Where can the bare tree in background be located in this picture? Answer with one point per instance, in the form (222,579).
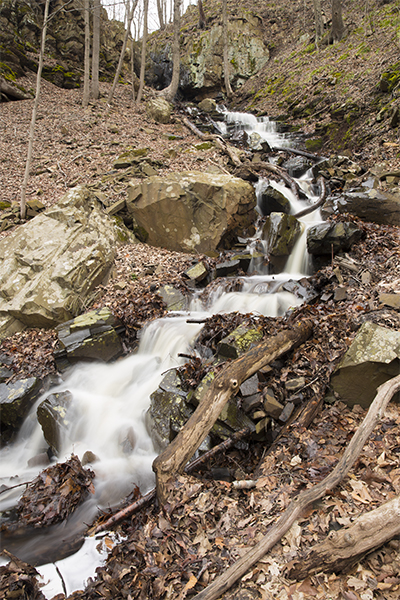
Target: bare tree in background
(143,55)
(337,21)
(319,24)
(228,88)
(86,72)
(95,91)
(124,44)
(202,16)
(34,113)
(169,92)
(160,11)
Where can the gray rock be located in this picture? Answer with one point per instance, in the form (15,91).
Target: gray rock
(197,272)
(173,298)
(273,200)
(16,400)
(159,109)
(192,211)
(50,266)
(52,415)
(208,105)
(372,359)
(369,204)
(238,342)
(326,238)
(297,166)
(91,336)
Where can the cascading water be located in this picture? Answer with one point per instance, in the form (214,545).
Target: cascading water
(110,401)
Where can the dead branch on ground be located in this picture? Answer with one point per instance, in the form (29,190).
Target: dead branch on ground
(320,201)
(295,509)
(219,142)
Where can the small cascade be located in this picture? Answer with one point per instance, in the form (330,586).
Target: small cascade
(110,401)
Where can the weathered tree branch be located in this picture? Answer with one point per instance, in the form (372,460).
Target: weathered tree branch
(317,204)
(220,143)
(343,548)
(12,91)
(173,459)
(265,166)
(222,583)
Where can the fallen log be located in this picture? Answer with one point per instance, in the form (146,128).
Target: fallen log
(320,201)
(295,509)
(219,142)
(12,91)
(173,459)
(343,548)
(151,495)
(299,153)
(265,166)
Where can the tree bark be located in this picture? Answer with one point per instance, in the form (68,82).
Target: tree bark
(86,73)
(228,88)
(169,92)
(95,91)
(34,112)
(343,548)
(181,449)
(143,55)
(121,56)
(160,15)
(202,16)
(337,21)
(295,509)
(319,24)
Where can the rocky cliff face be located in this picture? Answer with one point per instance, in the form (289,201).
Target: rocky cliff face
(201,54)
(20,37)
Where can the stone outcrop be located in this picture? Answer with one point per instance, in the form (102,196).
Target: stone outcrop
(50,266)
(52,414)
(370,204)
(16,400)
(280,232)
(201,56)
(20,34)
(192,211)
(372,359)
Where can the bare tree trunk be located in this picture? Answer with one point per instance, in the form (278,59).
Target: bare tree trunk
(95,92)
(337,21)
(143,56)
(133,75)
(319,24)
(174,458)
(169,92)
(121,56)
(34,112)
(160,14)
(228,88)
(86,75)
(202,16)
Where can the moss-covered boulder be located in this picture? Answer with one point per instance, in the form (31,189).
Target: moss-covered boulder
(280,232)
(53,417)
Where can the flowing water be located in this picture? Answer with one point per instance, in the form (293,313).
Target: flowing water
(110,401)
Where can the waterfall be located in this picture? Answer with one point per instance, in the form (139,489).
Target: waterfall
(110,401)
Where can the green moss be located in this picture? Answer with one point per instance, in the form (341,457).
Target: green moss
(7,72)
(204,146)
(314,145)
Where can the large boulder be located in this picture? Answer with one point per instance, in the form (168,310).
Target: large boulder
(325,238)
(372,359)
(192,211)
(50,266)
(368,204)
(201,56)
(280,232)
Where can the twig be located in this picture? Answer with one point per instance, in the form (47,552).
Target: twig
(222,583)
(64,587)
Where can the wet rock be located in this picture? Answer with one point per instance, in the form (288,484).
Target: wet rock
(249,387)
(226,268)
(16,400)
(272,407)
(368,204)
(297,166)
(272,200)
(193,211)
(50,266)
(159,109)
(173,298)
(326,238)
(5,374)
(91,336)
(280,231)
(52,415)
(287,412)
(372,359)
(238,342)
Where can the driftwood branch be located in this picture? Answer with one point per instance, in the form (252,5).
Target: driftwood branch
(295,509)
(12,91)
(313,157)
(317,204)
(343,548)
(173,459)
(219,142)
(151,495)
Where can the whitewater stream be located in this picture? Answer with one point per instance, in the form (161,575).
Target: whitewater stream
(110,401)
